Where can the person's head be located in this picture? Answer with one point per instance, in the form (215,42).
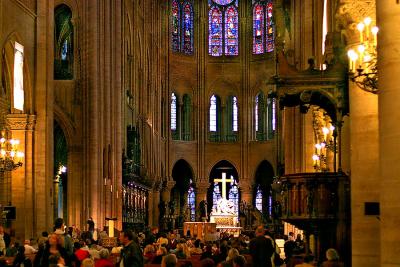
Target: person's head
(59,224)
(298,237)
(54,259)
(197,243)
(169,261)
(154,230)
(239,261)
(172,236)
(27,242)
(260,231)
(88,262)
(104,253)
(332,254)
(45,234)
(233,252)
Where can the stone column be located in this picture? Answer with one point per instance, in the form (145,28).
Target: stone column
(388,13)
(22,181)
(153,201)
(364,167)
(246,191)
(201,194)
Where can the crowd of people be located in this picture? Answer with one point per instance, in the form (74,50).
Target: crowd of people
(70,247)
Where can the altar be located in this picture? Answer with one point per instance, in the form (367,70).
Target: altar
(200,230)
(225,216)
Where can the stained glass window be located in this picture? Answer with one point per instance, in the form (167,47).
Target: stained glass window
(175,31)
(187,29)
(215,32)
(259,201)
(231,32)
(234,196)
(192,203)
(263,27)
(258,29)
(270,28)
(63,43)
(213,114)
(223,28)
(173,112)
(256,114)
(216,195)
(235,114)
(273,114)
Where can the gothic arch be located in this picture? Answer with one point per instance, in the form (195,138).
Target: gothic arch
(222,87)
(221,164)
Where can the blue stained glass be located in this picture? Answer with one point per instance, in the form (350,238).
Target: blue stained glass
(187,29)
(215,32)
(231,32)
(173,112)
(192,203)
(259,201)
(234,196)
(216,196)
(223,2)
(258,29)
(175,26)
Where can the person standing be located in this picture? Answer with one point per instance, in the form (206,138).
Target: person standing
(131,255)
(5,241)
(261,249)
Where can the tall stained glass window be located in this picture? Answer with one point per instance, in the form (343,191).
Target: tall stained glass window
(213,114)
(234,196)
(259,200)
(192,202)
(182,27)
(235,114)
(223,23)
(173,112)
(187,30)
(216,196)
(256,114)
(263,27)
(175,26)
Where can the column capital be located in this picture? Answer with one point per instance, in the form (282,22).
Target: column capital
(20,121)
(201,187)
(245,185)
(168,185)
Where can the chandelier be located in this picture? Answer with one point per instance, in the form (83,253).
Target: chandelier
(10,157)
(363,69)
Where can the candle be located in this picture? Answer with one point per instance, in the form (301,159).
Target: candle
(367,22)
(360,28)
(374,31)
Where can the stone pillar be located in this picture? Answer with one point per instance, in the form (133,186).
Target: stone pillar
(388,13)
(22,181)
(246,191)
(364,159)
(166,191)
(201,194)
(154,200)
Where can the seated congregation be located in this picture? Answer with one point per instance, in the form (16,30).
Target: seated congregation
(151,249)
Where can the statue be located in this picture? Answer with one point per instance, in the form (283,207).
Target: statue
(171,207)
(203,209)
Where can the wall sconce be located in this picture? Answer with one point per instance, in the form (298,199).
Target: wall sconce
(363,69)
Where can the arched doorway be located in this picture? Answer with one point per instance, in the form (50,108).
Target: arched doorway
(182,174)
(223,169)
(60,181)
(263,199)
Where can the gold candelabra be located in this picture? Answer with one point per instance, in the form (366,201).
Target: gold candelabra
(363,69)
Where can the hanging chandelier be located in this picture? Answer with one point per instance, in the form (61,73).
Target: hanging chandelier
(10,156)
(363,69)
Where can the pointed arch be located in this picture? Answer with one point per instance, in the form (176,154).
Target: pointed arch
(264,177)
(63,43)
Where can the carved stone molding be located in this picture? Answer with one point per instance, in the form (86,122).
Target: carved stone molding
(21,122)
(350,12)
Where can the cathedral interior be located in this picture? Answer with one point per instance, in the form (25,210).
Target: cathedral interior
(131,109)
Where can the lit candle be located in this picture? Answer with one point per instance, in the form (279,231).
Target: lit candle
(374,31)
(325,131)
(318,147)
(360,28)
(361,49)
(353,58)
(315,159)
(367,22)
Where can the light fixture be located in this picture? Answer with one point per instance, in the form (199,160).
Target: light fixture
(321,149)
(10,157)
(363,59)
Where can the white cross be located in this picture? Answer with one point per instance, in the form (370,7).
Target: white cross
(223,181)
